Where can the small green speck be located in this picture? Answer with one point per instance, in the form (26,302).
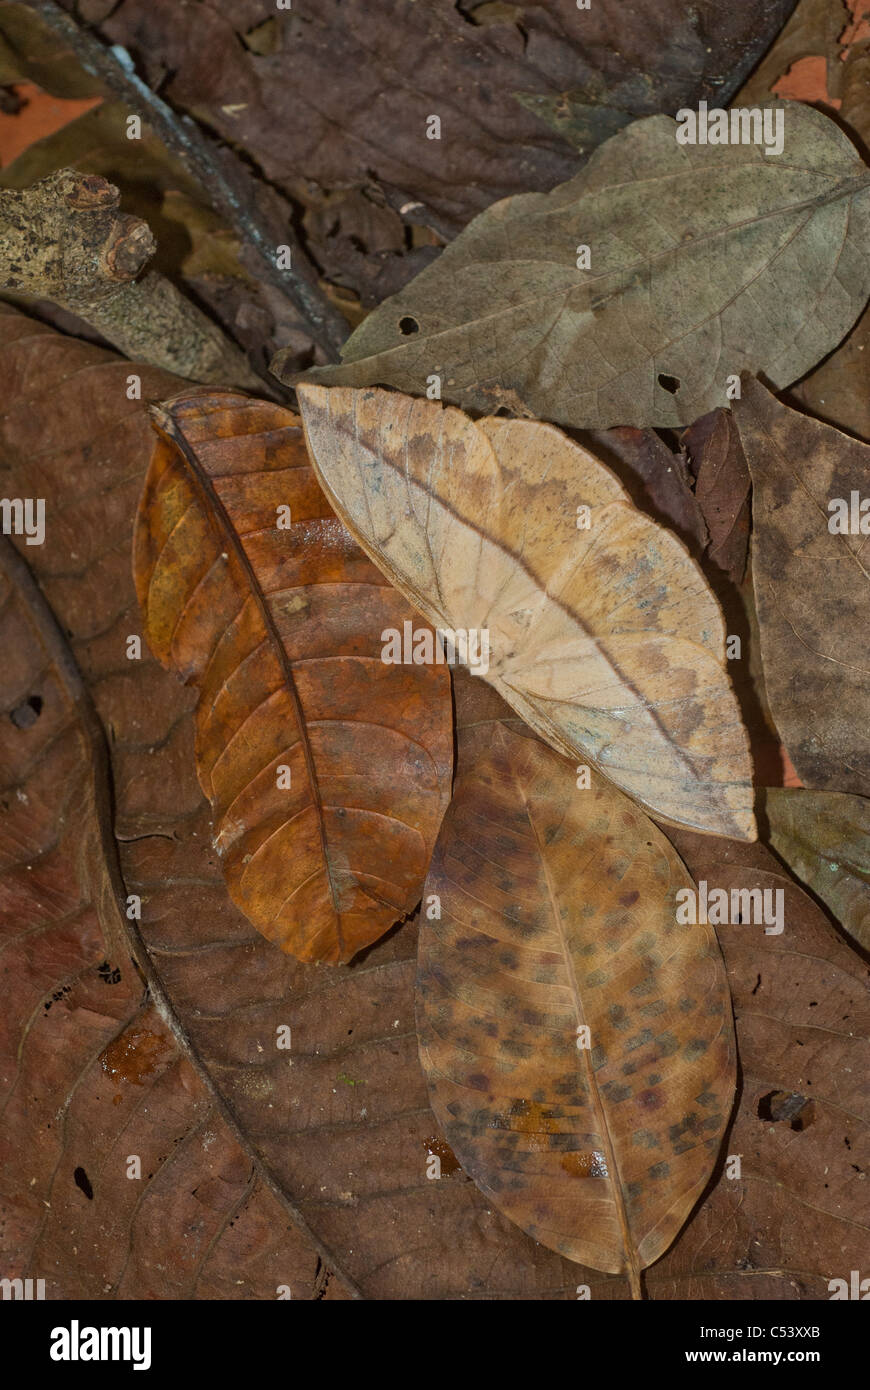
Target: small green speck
(348,1080)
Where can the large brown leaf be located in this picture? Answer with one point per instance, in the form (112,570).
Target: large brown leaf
(92,1073)
(607,640)
(355,80)
(824,837)
(327,770)
(557,913)
(811,589)
(838,389)
(798,1213)
(750,261)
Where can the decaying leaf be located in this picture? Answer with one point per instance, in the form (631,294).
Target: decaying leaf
(599,629)
(328,770)
(811,586)
(703,260)
(812,34)
(577,1040)
(657,479)
(91,1072)
(352,1158)
(721,488)
(824,837)
(838,389)
(289,107)
(795,1211)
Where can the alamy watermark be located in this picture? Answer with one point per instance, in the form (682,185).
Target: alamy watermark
(742,125)
(850,518)
(424,646)
(23,516)
(741,907)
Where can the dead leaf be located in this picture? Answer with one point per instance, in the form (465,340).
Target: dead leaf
(812,33)
(352,1159)
(606,638)
(823,838)
(577,1041)
(838,390)
(733,272)
(402,62)
(93,1081)
(796,1213)
(328,771)
(721,489)
(811,591)
(656,477)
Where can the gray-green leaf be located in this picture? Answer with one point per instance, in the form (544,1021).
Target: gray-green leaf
(705,260)
(824,838)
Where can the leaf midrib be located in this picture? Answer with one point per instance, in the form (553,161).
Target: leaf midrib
(628,1242)
(217,514)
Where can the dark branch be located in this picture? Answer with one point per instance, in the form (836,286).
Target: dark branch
(230,186)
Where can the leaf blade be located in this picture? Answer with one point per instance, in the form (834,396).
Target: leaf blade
(280,631)
(587,1150)
(606,640)
(505,315)
(811,588)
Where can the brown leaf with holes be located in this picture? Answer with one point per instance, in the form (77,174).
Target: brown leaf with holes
(796,1213)
(91,1072)
(328,770)
(604,637)
(576,1038)
(811,586)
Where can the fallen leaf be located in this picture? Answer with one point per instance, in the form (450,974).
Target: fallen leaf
(838,389)
(38,117)
(812,34)
(349,1160)
(355,81)
(656,477)
(577,1041)
(823,838)
(732,272)
(328,770)
(811,591)
(795,1211)
(778,1223)
(605,638)
(94,1082)
(721,489)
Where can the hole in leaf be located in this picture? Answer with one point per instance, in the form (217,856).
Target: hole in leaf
(25,715)
(787,1107)
(408,325)
(82,1181)
(669,383)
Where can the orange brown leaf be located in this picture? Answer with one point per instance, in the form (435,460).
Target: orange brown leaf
(327,770)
